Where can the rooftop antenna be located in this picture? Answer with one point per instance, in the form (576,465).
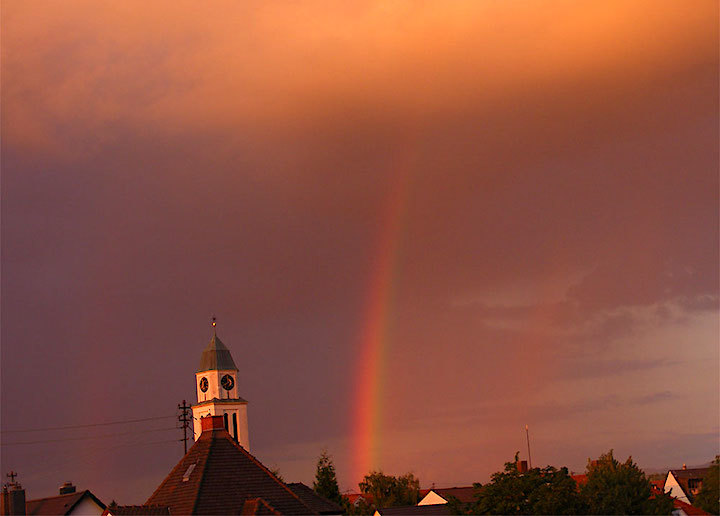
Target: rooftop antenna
(527,436)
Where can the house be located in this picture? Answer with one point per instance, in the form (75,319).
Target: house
(357,499)
(437,496)
(440,509)
(69,501)
(685,483)
(219,476)
(681,508)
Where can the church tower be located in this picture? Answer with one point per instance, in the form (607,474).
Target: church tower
(216,384)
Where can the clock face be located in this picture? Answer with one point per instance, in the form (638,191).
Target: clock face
(203,384)
(227,382)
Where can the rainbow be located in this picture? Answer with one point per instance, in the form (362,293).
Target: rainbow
(374,338)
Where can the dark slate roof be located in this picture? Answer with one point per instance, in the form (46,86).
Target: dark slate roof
(224,477)
(216,357)
(137,510)
(61,504)
(464,494)
(690,473)
(428,510)
(317,503)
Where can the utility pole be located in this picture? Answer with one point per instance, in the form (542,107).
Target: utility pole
(527,435)
(185,419)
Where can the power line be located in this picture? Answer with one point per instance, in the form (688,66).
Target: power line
(70,427)
(90,437)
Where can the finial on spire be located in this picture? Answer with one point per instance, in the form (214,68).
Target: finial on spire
(214,323)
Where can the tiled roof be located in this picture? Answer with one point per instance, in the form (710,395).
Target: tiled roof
(218,476)
(137,510)
(688,509)
(425,510)
(464,494)
(683,477)
(317,503)
(355,497)
(61,504)
(579,479)
(690,473)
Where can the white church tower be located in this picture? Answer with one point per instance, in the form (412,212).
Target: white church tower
(216,384)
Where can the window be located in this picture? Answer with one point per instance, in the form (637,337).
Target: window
(235,426)
(225,419)
(190,469)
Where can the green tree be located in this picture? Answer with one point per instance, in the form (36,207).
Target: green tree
(538,491)
(390,491)
(708,499)
(613,487)
(325,480)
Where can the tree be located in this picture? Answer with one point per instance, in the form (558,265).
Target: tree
(538,491)
(621,488)
(708,499)
(276,472)
(325,480)
(390,491)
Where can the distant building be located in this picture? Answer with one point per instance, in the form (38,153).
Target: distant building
(437,496)
(440,509)
(357,499)
(684,484)
(136,510)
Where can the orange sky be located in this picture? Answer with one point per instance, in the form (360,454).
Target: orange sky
(557,264)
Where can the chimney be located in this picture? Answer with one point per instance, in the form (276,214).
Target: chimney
(522,466)
(210,423)
(684,466)
(13,500)
(67,488)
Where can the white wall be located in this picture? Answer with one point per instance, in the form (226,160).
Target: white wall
(215,390)
(432,498)
(218,409)
(87,507)
(672,487)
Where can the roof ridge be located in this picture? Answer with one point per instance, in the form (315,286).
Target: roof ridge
(83,494)
(56,496)
(272,475)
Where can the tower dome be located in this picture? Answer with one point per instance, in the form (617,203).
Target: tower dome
(216,357)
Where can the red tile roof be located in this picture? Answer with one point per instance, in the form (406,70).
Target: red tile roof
(690,510)
(218,476)
(579,479)
(137,510)
(354,497)
(61,504)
